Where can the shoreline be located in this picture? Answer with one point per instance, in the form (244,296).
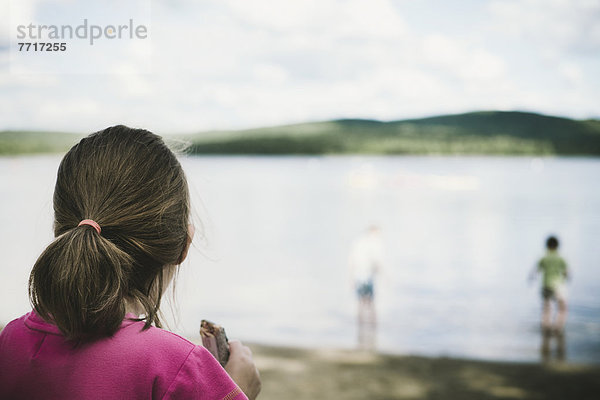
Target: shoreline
(295,373)
(303,373)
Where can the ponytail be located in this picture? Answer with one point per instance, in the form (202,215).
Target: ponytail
(79,282)
(134,187)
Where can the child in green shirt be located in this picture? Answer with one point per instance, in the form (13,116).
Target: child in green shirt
(555,273)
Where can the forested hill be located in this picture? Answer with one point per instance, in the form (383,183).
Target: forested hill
(488,132)
(493,132)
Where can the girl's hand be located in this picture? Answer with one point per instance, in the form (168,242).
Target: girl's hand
(242,370)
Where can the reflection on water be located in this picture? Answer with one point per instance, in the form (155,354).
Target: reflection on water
(460,233)
(553,345)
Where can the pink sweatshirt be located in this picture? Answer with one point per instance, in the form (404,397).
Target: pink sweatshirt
(37,363)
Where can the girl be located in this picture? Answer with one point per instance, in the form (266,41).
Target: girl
(121,206)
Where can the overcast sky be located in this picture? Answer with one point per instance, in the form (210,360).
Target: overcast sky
(245,63)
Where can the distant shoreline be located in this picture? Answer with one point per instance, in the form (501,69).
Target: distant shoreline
(499,133)
(344,155)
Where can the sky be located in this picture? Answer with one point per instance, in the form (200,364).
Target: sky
(232,64)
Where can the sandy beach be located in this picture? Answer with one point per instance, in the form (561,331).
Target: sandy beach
(289,373)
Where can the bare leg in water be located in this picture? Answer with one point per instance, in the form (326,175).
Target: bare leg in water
(547,315)
(561,316)
(367,323)
(556,330)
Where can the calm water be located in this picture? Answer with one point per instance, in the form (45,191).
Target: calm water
(461,235)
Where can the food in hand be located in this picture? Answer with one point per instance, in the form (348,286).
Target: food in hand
(215,340)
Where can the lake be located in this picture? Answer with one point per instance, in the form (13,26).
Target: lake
(270,261)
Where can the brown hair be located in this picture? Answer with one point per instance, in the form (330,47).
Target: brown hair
(552,243)
(131,184)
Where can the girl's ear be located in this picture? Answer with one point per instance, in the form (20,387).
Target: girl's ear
(184,253)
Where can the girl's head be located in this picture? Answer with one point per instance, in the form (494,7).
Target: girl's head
(132,185)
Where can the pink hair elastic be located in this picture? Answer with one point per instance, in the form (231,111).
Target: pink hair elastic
(91,223)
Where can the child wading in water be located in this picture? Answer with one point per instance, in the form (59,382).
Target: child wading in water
(366,262)
(555,273)
(121,209)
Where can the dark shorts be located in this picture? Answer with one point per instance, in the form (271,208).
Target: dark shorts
(365,290)
(548,293)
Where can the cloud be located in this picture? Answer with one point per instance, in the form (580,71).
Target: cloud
(464,61)
(555,25)
(322,18)
(572,73)
(235,64)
